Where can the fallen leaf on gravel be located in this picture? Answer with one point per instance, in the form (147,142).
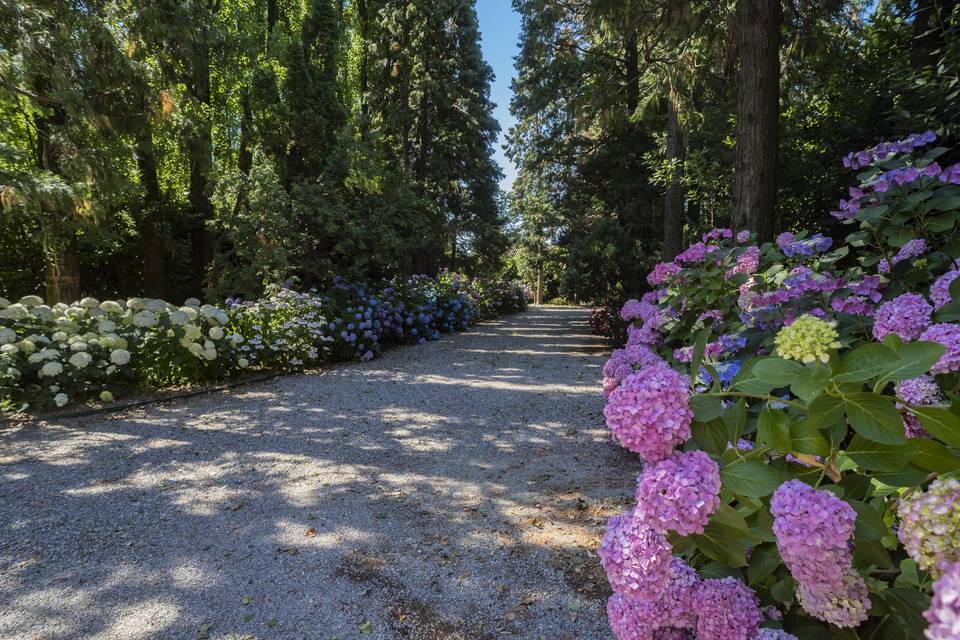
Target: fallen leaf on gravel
(248,617)
(246,600)
(272,622)
(311,532)
(290,551)
(366,628)
(235,507)
(203,633)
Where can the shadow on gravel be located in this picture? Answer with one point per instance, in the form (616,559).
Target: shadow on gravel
(452,491)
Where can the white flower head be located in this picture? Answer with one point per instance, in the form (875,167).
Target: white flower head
(7,335)
(192,331)
(195,349)
(144,319)
(15,311)
(192,302)
(111,306)
(9,349)
(210,354)
(89,302)
(216,333)
(120,356)
(190,311)
(4,303)
(31,301)
(59,336)
(80,359)
(156,305)
(51,369)
(135,303)
(106,326)
(78,345)
(106,396)
(235,339)
(75,312)
(179,318)
(61,399)
(26,346)
(43,312)
(243,363)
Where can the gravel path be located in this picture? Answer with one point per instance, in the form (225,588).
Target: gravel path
(456,490)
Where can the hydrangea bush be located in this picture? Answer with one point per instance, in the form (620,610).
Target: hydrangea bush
(795,406)
(55,355)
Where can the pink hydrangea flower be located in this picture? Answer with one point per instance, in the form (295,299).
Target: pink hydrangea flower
(672,613)
(649,413)
(622,363)
(907,316)
(679,493)
(647,334)
(727,610)
(747,262)
(844,607)
(635,557)
(930,524)
(812,529)
(949,336)
(944,612)
(662,272)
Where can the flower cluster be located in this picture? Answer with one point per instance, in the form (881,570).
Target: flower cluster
(727,610)
(635,557)
(944,612)
(940,289)
(930,524)
(649,412)
(679,493)
(624,362)
(882,151)
(843,607)
(808,339)
(949,336)
(792,246)
(906,316)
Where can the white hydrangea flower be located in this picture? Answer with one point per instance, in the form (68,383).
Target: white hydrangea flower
(26,346)
(192,302)
(96,312)
(111,306)
(111,369)
(61,399)
(51,369)
(195,349)
(135,303)
(4,303)
(156,305)
(54,388)
(9,349)
(15,311)
(191,312)
(106,326)
(192,331)
(120,356)
(243,363)
(210,354)
(78,345)
(59,336)
(235,339)
(80,359)
(43,354)
(89,302)
(106,396)
(216,333)
(31,301)
(7,335)
(179,318)
(207,345)
(43,312)
(145,319)
(75,312)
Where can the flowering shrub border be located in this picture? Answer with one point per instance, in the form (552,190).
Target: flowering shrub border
(811,388)
(91,349)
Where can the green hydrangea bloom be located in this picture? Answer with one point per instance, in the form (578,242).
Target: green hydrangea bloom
(808,339)
(930,524)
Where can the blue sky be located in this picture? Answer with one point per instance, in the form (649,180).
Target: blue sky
(500,31)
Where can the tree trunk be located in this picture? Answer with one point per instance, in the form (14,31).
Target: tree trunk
(200,152)
(363,19)
(151,216)
(673,199)
(62,272)
(758,111)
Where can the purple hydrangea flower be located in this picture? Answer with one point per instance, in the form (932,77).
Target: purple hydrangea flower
(747,262)
(920,390)
(743,236)
(940,290)
(661,619)
(694,253)
(630,310)
(844,607)
(662,272)
(635,557)
(727,610)
(907,316)
(623,362)
(649,413)
(773,634)
(679,493)
(910,250)
(949,336)
(944,612)
(812,529)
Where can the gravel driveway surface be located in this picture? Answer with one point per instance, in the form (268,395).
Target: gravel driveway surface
(456,490)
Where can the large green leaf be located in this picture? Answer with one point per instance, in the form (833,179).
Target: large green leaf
(810,382)
(748,381)
(710,436)
(933,456)
(764,560)
(777,371)
(773,429)
(942,424)
(913,359)
(869,523)
(907,607)
(877,456)
(706,408)
(865,362)
(721,543)
(874,417)
(824,411)
(750,478)
(698,347)
(805,437)
(910,476)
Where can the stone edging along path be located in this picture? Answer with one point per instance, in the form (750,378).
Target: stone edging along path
(456,490)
